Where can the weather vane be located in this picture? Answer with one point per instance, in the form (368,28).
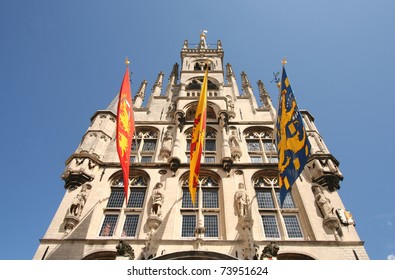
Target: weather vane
(275,79)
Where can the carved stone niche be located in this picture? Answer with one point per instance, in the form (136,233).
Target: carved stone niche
(74,212)
(167,143)
(75,178)
(70,222)
(325,172)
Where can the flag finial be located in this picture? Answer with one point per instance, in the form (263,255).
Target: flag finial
(284,61)
(127,62)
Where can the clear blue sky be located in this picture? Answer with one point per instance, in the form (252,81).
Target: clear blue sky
(60,61)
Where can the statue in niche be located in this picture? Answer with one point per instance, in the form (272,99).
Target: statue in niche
(223,120)
(323,202)
(157,199)
(242,201)
(167,139)
(231,105)
(77,205)
(180,120)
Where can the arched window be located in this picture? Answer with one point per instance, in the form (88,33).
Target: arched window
(210,151)
(130,216)
(260,145)
(277,223)
(210,208)
(144,145)
(190,114)
(194,87)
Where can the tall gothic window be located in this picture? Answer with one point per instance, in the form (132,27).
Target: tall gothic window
(118,219)
(144,145)
(210,208)
(210,151)
(277,223)
(260,145)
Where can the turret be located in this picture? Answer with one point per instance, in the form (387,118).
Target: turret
(140,95)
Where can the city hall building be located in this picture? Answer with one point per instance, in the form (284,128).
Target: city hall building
(237,214)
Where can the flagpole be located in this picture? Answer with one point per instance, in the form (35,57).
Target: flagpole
(278,84)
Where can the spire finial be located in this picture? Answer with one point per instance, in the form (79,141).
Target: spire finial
(127,62)
(284,61)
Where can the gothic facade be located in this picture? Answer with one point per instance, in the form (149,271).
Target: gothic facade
(239,215)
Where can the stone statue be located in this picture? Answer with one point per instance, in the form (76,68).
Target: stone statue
(157,199)
(270,251)
(77,205)
(125,250)
(167,139)
(323,203)
(180,120)
(242,201)
(223,120)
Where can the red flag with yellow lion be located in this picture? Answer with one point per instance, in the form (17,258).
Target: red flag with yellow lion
(125,129)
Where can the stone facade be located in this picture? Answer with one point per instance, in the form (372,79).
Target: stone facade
(239,214)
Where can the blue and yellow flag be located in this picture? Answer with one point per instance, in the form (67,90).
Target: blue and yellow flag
(292,143)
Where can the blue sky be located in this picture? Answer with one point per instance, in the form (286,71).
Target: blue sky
(60,61)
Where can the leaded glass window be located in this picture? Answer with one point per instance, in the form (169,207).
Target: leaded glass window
(145,159)
(260,143)
(130,225)
(270,226)
(136,198)
(210,198)
(253,146)
(108,226)
(186,199)
(149,145)
(209,159)
(264,198)
(256,159)
(210,145)
(116,198)
(275,217)
(211,225)
(144,144)
(188,225)
(292,226)
(288,201)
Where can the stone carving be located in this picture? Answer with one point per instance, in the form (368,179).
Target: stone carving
(157,199)
(270,251)
(223,120)
(77,205)
(323,203)
(180,120)
(74,212)
(235,150)
(125,250)
(327,211)
(242,201)
(325,172)
(167,143)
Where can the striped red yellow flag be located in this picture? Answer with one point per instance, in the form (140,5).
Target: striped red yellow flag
(197,141)
(125,129)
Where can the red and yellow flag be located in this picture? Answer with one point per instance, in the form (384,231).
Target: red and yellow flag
(197,141)
(125,129)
